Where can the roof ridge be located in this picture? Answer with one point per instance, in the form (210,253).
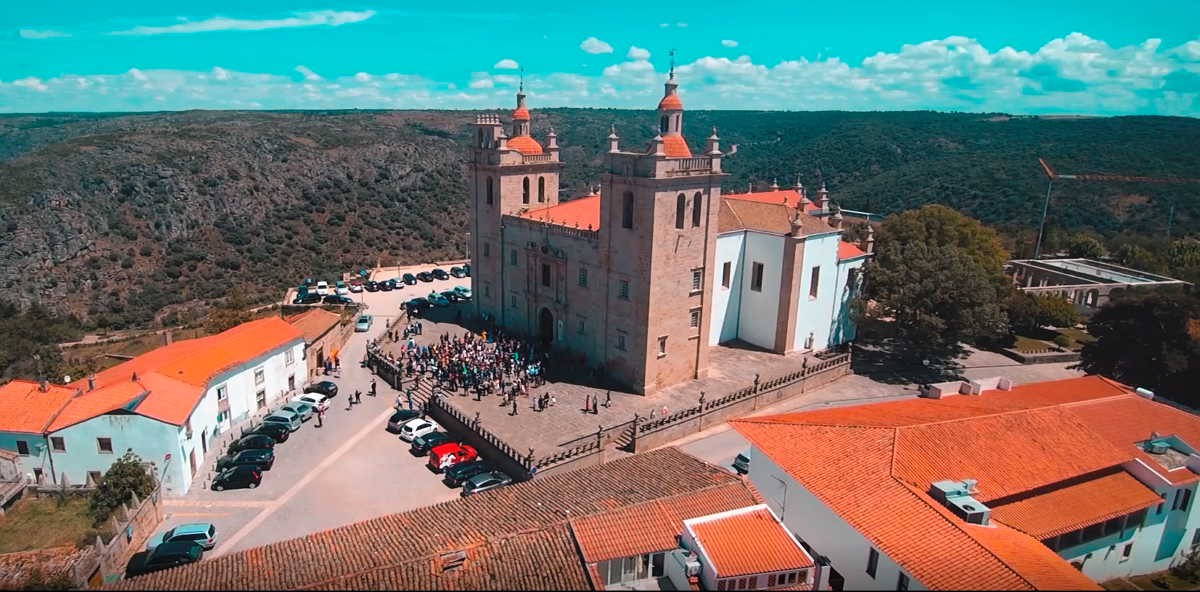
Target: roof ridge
(759,421)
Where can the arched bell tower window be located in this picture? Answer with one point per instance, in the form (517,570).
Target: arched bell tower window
(490,191)
(696,200)
(541,189)
(680,207)
(664,124)
(525,190)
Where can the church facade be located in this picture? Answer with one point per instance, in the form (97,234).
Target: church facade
(644,275)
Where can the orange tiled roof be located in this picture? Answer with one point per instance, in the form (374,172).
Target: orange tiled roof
(581,212)
(525,145)
(674,146)
(1036,440)
(789,197)
(314,323)
(609,535)
(670,102)
(1093,500)
(766,216)
(849,251)
(97,402)
(520,114)
(515,537)
(24,408)
(1127,420)
(748,543)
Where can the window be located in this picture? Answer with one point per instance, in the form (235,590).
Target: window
(771,581)
(541,189)
(582,276)
(1175,504)
(902,582)
(756,276)
(696,209)
(22,448)
(96,477)
(1113,525)
(663,124)
(289,357)
(662,346)
(680,209)
(57,444)
(621,341)
(627,210)
(726,274)
(525,190)
(546,274)
(872,562)
(1187,498)
(814,283)
(512,257)
(694,318)
(852,280)
(261,398)
(490,191)
(1128,550)
(697,279)
(291,382)
(623,290)
(259,377)
(487,290)
(222,393)
(512,300)
(104,445)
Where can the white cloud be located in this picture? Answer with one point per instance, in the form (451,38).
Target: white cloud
(136,74)
(31,83)
(729,43)
(506,64)
(362,77)
(637,53)
(593,45)
(329,18)
(41,34)
(481,80)
(308,75)
(681,25)
(220,73)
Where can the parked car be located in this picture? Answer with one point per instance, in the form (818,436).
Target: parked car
(316,400)
(341,289)
(324,387)
(304,410)
(416,427)
(386,286)
(457,474)
(741,463)
(463,292)
(286,418)
(201,533)
(425,276)
(440,274)
(162,557)
(308,282)
(237,476)
(423,444)
(310,298)
(467,269)
(444,456)
(260,459)
(337,299)
(372,286)
(363,324)
(451,296)
(437,299)
(484,482)
(323,288)
(458,272)
(250,442)
(277,432)
(399,418)
(409,279)
(416,303)
(356,286)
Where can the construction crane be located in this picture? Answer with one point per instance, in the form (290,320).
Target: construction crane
(1053,175)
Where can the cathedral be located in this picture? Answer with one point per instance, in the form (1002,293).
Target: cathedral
(642,277)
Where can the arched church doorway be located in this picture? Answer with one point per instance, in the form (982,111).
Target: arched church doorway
(546,326)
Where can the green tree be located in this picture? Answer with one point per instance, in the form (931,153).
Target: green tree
(1184,259)
(126,476)
(1056,311)
(1086,247)
(1139,258)
(938,278)
(1150,339)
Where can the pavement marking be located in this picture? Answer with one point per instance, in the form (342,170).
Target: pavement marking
(283,499)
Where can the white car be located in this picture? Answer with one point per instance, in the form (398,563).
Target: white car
(415,428)
(323,288)
(316,400)
(342,291)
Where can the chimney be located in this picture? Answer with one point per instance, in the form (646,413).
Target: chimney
(134,377)
(92,383)
(168,337)
(43,386)
(1004,384)
(1144,392)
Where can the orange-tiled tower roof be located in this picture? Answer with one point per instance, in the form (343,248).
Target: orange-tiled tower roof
(670,113)
(521,141)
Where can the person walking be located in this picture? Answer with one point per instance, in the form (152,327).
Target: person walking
(372,392)
(607,399)
(514,407)
(596,406)
(587,402)
(320,417)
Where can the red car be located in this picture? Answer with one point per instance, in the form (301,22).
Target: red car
(444,456)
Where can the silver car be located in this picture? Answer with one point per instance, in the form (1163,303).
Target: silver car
(484,482)
(304,410)
(287,419)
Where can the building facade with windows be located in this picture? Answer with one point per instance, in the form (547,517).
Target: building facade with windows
(641,277)
(165,405)
(1052,485)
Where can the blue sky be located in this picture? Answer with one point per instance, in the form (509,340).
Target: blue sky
(1094,57)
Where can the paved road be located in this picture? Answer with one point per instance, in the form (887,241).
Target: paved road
(348,470)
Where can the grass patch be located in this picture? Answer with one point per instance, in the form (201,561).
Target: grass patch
(33,523)
(1078,337)
(1028,345)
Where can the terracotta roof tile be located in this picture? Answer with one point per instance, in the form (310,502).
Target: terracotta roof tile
(776,218)
(670,102)
(788,197)
(849,251)
(24,408)
(517,536)
(520,114)
(674,146)
(314,322)
(1076,504)
(581,212)
(1128,420)
(525,145)
(91,404)
(746,543)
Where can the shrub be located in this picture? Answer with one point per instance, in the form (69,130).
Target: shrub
(126,476)
(1062,341)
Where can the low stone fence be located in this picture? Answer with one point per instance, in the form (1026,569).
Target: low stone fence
(517,465)
(1046,356)
(131,528)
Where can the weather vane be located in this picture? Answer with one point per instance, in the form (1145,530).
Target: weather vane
(521,88)
(672,54)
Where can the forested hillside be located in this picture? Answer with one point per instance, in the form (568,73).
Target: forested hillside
(128,220)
